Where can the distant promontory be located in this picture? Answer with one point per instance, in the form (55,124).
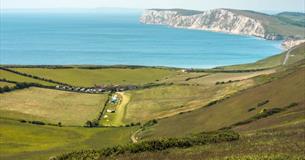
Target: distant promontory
(286,25)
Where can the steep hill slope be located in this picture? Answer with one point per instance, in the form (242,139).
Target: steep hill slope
(286,88)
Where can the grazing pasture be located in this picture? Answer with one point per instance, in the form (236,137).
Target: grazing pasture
(165,101)
(32,142)
(51,106)
(18,78)
(105,76)
(3,84)
(282,92)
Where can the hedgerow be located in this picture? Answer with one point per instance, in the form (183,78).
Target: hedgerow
(154,145)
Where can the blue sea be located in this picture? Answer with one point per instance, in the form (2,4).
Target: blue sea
(113,37)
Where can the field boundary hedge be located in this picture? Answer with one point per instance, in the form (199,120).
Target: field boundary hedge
(154,145)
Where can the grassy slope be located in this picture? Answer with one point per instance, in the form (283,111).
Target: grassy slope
(280,93)
(91,77)
(295,18)
(166,101)
(51,106)
(274,25)
(277,137)
(18,78)
(3,84)
(30,142)
(273,61)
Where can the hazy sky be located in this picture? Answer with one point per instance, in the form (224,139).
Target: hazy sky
(276,5)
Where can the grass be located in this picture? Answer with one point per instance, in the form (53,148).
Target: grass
(278,137)
(167,101)
(280,93)
(3,84)
(155,145)
(106,76)
(18,78)
(51,106)
(296,55)
(116,119)
(31,142)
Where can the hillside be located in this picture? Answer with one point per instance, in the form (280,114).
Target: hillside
(229,21)
(280,93)
(257,115)
(295,54)
(295,18)
(270,125)
(250,111)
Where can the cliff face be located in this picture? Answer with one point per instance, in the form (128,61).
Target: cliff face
(218,20)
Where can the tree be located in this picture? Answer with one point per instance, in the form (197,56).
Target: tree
(88,124)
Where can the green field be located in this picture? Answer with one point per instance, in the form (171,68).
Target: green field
(3,84)
(18,78)
(280,93)
(280,138)
(31,142)
(51,106)
(167,101)
(296,55)
(106,76)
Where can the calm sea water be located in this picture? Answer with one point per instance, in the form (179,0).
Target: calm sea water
(109,38)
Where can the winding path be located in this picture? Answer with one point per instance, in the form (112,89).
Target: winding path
(133,137)
(287,55)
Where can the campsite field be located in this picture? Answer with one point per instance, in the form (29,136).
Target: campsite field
(51,106)
(104,76)
(119,107)
(32,142)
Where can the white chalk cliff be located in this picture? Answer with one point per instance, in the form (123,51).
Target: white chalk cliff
(218,20)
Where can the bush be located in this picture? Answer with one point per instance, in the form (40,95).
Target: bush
(37,122)
(22,121)
(262,103)
(166,143)
(150,123)
(251,109)
(91,124)
(155,145)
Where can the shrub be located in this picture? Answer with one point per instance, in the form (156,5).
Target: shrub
(251,109)
(155,145)
(22,121)
(166,143)
(262,103)
(37,122)
(91,124)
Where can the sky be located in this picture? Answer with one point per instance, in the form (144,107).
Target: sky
(258,5)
